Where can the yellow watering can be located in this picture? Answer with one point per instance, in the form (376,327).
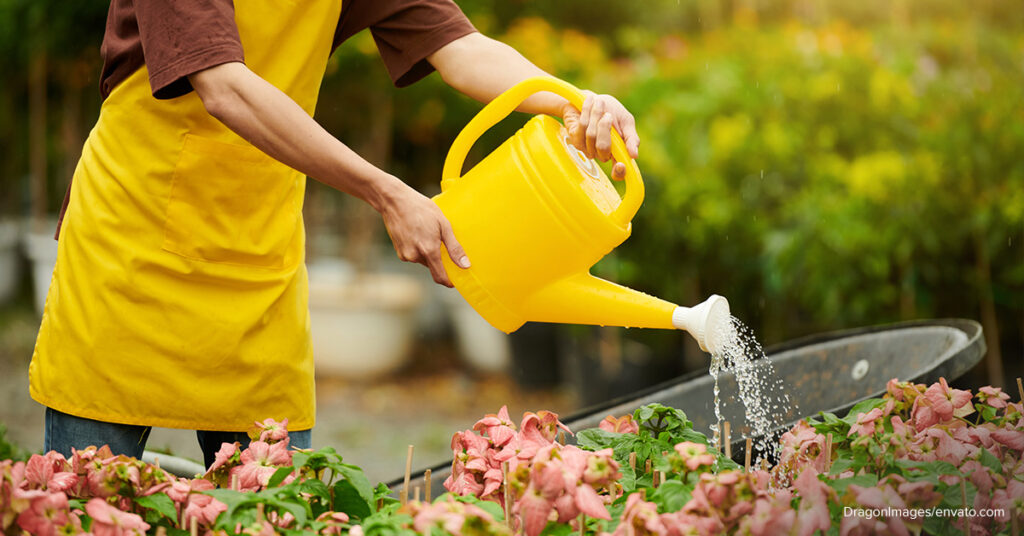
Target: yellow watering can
(536,214)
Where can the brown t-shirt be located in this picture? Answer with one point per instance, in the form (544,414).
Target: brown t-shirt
(176,39)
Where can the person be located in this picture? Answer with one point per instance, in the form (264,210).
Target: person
(179,297)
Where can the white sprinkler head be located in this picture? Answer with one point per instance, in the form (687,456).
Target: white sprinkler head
(708,322)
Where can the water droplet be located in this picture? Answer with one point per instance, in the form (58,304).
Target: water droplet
(765,401)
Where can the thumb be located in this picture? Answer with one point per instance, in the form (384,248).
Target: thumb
(455,250)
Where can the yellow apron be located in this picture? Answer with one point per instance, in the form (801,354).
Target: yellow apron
(179,298)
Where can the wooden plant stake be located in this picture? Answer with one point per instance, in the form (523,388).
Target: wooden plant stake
(1014,524)
(193,528)
(408,470)
(161,531)
(234,482)
(583,524)
(828,453)
(561,438)
(259,512)
(1020,390)
(416,494)
(764,465)
(426,484)
(647,466)
(508,495)
(632,461)
(727,439)
(655,479)
(746,457)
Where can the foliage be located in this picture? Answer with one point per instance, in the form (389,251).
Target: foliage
(8,450)
(888,461)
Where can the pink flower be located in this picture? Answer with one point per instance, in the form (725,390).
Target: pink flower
(109,521)
(620,425)
(640,518)
(813,512)
(1011,438)
(769,517)
(271,431)
(1010,500)
(51,472)
(694,455)
(993,396)
(534,509)
(866,425)
(938,404)
(46,514)
(259,462)
(224,456)
(541,427)
(947,449)
(498,428)
(335,522)
(601,468)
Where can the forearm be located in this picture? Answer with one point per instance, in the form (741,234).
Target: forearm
(269,119)
(483,68)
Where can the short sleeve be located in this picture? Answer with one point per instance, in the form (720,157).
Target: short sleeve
(182,37)
(406,32)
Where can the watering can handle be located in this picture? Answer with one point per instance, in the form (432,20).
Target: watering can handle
(506,103)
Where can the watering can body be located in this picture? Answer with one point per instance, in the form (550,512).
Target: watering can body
(534,216)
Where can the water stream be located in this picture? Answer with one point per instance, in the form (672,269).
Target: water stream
(761,391)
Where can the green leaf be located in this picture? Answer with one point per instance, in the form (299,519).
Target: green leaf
(863,406)
(841,465)
(671,496)
(348,499)
(935,467)
(989,460)
(595,439)
(279,476)
(316,488)
(355,476)
(864,481)
(490,507)
(158,502)
(557,529)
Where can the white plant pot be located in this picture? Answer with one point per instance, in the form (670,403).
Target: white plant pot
(481,345)
(10,267)
(41,249)
(362,325)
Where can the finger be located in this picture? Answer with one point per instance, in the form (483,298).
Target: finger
(603,144)
(571,119)
(593,127)
(588,104)
(433,261)
(627,127)
(618,171)
(455,250)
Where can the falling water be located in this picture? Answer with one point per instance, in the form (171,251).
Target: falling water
(760,389)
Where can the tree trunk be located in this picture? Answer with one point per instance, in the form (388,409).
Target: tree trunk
(989,320)
(37,137)
(364,222)
(908,296)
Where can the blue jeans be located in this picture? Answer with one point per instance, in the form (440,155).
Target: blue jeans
(65,431)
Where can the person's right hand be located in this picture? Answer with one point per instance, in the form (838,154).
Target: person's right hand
(418,230)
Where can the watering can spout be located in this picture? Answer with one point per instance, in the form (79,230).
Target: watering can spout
(585,299)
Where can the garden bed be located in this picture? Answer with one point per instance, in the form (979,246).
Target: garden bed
(928,459)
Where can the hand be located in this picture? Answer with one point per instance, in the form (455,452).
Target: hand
(418,229)
(590,129)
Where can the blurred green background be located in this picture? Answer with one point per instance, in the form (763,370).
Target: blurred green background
(822,164)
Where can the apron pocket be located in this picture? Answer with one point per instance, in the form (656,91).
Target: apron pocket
(231,204)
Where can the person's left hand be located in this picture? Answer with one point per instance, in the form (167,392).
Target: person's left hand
(590,128)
